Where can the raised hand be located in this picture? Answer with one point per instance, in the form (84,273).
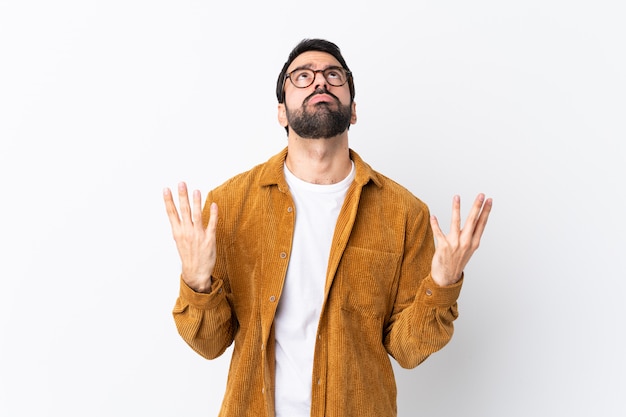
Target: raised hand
(455,249)
(195,243)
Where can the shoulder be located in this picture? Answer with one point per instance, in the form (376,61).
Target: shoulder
(390,193)
(264,174)
(383,191)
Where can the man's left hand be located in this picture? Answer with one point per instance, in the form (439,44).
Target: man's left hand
(455,249)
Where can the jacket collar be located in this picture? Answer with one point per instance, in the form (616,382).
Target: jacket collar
(273,174)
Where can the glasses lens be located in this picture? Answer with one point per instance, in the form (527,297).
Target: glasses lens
(302,78)
(335,76)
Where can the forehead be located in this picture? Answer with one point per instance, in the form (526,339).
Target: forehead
(313,59)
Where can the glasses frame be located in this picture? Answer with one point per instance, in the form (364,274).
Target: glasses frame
(315,72)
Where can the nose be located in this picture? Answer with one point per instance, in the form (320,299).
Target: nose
(321,80)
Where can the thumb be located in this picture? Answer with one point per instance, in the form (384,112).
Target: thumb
(437,232)
(212,225)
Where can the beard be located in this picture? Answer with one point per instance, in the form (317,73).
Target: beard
(322,121)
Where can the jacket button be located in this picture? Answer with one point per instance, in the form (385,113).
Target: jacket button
(272,299)
(283,255)
(429,292)
(289,209)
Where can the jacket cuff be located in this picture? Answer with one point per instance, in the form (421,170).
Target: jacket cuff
(430,293)
(203,301)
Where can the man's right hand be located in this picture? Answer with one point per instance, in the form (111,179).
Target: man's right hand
(195,243)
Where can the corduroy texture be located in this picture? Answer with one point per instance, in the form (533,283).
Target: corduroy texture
(379,298)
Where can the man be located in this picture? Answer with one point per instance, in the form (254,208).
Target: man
(318,268)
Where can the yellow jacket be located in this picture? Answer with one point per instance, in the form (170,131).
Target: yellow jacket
(379,297)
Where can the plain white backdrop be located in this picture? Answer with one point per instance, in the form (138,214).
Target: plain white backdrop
(104,103)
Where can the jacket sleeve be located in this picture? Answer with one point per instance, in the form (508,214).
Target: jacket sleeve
(205,321)
(423,313)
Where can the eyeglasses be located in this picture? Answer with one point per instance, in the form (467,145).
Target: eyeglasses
(304,77)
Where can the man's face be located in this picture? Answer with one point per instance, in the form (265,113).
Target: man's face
(319,110)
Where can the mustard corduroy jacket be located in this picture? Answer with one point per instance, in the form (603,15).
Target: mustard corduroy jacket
(380,300)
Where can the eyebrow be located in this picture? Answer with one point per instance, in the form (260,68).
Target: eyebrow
(310,66)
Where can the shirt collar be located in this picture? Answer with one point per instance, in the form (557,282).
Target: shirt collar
(273,171)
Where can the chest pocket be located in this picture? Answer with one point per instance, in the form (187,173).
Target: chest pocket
(365,280)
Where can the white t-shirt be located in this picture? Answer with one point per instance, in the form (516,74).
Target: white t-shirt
(296,321)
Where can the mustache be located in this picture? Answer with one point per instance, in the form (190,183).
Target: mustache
(321,91)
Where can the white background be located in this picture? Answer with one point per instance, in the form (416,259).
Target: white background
(104,103)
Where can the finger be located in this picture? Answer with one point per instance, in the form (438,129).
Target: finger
(183,199)
(455,221)
(472,218)
(170,208)
(482,222)
(197,208)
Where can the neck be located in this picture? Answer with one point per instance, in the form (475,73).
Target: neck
(319,161)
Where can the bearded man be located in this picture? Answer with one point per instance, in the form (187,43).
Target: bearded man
(319,268)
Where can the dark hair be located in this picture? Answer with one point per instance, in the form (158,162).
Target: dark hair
(311,45)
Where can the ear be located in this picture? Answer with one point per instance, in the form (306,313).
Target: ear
(282,115)
(353,118)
